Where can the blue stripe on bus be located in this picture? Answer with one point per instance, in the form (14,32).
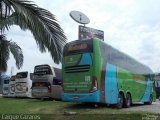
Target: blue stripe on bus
(86,59)
(111,90)
(79,97)
(146,95)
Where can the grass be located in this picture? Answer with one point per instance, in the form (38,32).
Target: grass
(51,109)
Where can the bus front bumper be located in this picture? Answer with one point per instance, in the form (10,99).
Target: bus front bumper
(22,94)
(41,95)
(82,97)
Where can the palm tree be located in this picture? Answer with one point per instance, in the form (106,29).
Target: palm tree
(5,48)
(42,24)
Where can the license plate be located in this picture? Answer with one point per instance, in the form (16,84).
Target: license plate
(40,90)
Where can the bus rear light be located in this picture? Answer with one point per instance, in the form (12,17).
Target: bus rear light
(94,84)
(49,88)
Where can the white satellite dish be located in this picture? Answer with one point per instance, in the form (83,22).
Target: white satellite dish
(79,17)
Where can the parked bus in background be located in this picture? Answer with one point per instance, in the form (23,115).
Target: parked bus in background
(57,82)
(5,86)
(157,88)
(12,86)
(96,72)
(1,83)
(156,78)
(23,84)
(46,82)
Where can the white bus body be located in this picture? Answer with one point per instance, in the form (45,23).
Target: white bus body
(23,84)
(12,86)
(42,86)
(5,88)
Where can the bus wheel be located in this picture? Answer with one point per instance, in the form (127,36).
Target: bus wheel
(120,101)
(150,101)
(128,101)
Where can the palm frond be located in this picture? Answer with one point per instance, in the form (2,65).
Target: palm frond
(43,25)
(17,53)
(4,53)
(5,48)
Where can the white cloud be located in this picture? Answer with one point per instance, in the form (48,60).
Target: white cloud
(131,26)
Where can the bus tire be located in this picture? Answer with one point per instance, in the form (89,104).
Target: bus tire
(120,101)
(150,101)
(128,100)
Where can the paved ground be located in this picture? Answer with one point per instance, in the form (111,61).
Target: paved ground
(154,108)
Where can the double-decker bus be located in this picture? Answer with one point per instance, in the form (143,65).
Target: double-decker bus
(46,82)
(93,71)
(5,86)
(23,84)
(12,86)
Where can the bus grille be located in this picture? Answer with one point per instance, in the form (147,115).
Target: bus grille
(77,68)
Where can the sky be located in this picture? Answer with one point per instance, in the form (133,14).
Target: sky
(131,26)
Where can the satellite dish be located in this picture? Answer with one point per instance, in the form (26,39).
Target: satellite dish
(79,17)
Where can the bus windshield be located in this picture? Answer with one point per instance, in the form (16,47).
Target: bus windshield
(78,46)
(22,75)
(6,81)
(42,70)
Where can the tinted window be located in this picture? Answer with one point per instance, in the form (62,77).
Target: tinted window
(42,70)
(78,47)
(115,57)
(6,81)
(22,75)
(104,52)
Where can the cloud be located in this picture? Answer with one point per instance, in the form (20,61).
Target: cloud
(131,26)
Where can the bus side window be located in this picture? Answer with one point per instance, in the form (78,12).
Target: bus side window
(156,84)
(31,76)
(56,81)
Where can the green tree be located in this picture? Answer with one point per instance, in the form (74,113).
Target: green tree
(43,25)
(7,47)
